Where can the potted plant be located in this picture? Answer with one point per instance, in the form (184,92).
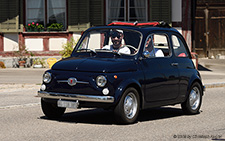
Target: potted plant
(22,55)
(38,63)
(32,27)
(2,65)
(55,27)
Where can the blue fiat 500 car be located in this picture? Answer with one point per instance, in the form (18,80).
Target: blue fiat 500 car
(125,67)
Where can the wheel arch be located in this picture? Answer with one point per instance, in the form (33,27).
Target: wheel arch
(186,106)
(125,85)
(138,88)
(195,80)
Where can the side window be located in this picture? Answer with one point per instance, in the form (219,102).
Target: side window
(178,47)
(157,45)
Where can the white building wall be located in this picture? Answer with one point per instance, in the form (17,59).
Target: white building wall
(56,44)
(10,42)
(95,41)
(176,10)
(76,37)
(34,44)
(177,13)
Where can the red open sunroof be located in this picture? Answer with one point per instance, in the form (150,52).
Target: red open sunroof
(135,24)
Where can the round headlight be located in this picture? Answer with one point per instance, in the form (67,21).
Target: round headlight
(101,81)
(47,77)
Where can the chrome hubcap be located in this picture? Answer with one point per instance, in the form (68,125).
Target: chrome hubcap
(194,98)
(130,105)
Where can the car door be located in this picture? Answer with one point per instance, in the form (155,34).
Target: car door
(161,73)
(184,63)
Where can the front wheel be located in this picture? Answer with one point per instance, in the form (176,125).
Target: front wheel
(128,107)
(51,110)
(193,102)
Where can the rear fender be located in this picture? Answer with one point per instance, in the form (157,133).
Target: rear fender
(194,78)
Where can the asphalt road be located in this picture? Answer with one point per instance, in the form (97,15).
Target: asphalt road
(21,118)
(21,76)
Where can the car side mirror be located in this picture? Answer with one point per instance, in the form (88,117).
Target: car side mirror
(146,54)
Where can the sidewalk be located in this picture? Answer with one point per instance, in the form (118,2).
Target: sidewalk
(212,72)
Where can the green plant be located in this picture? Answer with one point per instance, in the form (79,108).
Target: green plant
(55,27)
(39,61)
(22,54)
(34,26)
(68,48)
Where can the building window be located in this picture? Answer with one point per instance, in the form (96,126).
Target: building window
(127,10)
(46,12)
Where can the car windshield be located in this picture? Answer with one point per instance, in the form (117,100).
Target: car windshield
(117,41)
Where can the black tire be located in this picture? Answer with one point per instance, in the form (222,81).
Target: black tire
(194,100)
(132,108)
(51,110)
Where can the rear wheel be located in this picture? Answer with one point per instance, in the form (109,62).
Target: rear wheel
(51,110)
(193,102)
(128,108)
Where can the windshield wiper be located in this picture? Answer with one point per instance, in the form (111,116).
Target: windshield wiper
(92,51)
(107,50)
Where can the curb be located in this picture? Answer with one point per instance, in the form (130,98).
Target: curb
(215,85)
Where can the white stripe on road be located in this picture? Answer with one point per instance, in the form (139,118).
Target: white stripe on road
(20,106)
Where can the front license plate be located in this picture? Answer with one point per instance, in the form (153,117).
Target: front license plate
(68,104)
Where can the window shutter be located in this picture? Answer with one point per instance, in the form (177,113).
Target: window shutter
(21,13)
(97,12)
(160,10)
(78,15)
(9,17)
(85,13)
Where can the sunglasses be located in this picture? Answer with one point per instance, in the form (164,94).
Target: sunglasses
(116,34)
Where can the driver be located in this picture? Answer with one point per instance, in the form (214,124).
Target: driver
(117,46)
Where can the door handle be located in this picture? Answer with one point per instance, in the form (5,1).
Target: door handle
(174,64)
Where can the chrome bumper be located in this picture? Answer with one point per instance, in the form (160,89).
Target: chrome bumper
(67,96)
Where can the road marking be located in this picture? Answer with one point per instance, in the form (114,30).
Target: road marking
(20,106)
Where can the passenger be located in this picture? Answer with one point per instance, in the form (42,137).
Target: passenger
(153,51)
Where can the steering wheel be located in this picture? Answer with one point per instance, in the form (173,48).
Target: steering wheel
(132,49)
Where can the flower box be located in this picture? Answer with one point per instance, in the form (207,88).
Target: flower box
(34,27)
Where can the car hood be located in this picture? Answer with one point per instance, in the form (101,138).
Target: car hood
(93,64)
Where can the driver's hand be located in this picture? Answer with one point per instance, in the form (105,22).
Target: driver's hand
(115,50)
